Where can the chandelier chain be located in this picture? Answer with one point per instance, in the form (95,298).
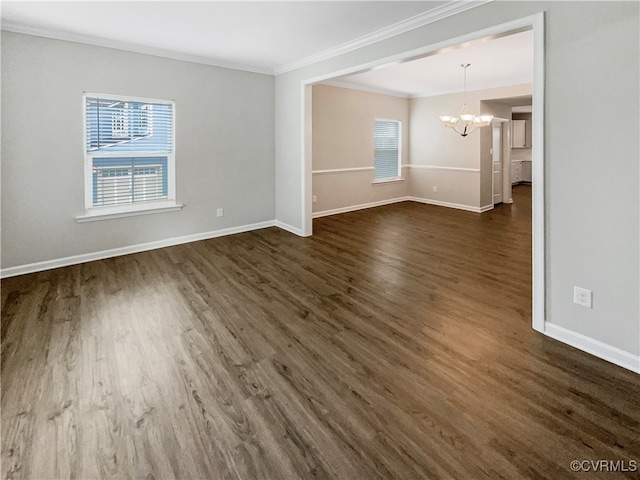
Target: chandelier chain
(465,65)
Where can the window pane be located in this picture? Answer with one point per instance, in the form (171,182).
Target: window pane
(116,126)
(387,149)
(118,181)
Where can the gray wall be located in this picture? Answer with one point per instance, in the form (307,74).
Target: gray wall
(224,146)
(591,166)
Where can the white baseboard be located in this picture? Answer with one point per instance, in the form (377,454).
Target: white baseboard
(142,247)
(459,206)
(352,208)
(486,208)
(289,228)
(594,347)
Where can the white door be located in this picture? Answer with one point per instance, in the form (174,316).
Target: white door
(497,163)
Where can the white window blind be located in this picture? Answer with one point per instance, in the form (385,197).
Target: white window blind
(118,126)
(129,150)
(387,149)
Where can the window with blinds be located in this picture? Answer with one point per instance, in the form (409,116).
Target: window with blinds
(129,150)
(387,149)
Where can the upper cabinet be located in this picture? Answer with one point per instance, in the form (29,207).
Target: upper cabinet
(519,134)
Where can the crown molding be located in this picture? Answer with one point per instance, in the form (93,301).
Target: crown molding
(452,7)
(517,81)
(359,88)
(128,47)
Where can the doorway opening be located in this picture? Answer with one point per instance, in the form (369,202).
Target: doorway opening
(534,23)
(500,161)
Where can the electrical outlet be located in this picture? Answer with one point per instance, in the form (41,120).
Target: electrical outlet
(314,199)
(219,212)
(582,296)
(435,189)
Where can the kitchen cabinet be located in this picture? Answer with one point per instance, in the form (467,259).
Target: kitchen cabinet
(520,171)
(516,171)
(518,133)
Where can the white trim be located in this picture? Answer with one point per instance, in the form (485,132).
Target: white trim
(95,215)
(342,170)
(600,349)
(382,181)
(442,167)
(537,177)
(363,88)
(517,81)
(306,201)
(129,98)
(496,31)
(394,93)
(353,208)
(290,228)
(142,247)
(420,20)
(129,47)
(459,206)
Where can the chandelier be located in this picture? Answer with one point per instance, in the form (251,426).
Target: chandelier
(465,123)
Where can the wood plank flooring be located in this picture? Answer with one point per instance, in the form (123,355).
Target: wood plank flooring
(386,346)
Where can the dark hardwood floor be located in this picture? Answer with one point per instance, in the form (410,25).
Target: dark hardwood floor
(395,343)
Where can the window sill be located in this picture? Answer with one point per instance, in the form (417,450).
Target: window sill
(109,213)
(387,180)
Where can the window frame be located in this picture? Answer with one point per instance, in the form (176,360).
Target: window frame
(398,177)
(93,212)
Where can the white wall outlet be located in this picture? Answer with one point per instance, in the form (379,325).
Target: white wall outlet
(582,296)
(219,212)
(314,199)
(435,189)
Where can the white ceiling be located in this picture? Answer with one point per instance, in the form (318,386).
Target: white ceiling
(264,36)
(274,37)
(494,63)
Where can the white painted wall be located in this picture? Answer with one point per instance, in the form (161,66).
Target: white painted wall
(224,146)
(343,121)
(592,200)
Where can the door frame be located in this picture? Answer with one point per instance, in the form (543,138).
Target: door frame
(504,160)
(536,24)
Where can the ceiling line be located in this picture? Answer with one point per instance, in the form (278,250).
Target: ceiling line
(362,88)
(128,47)
(452,7)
